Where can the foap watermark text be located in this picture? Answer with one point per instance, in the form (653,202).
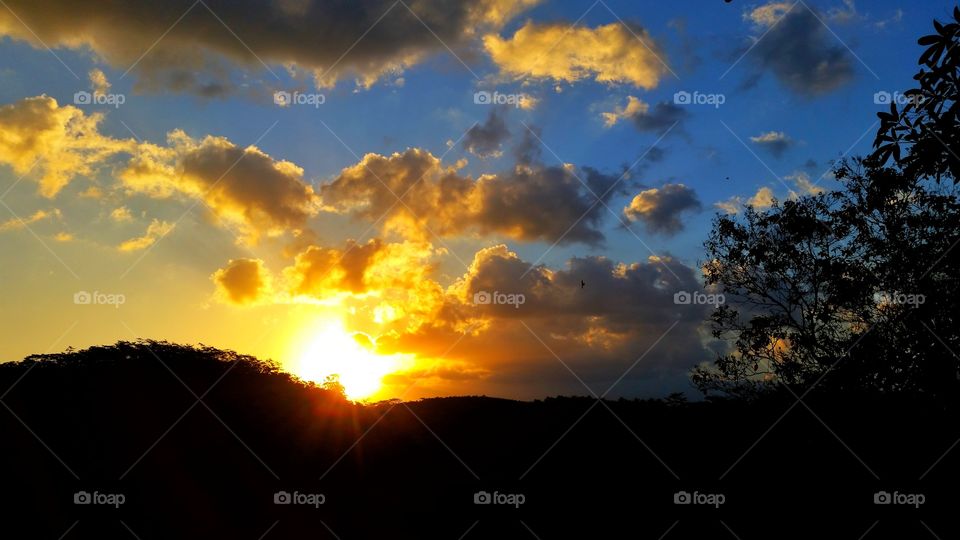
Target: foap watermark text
(297,498)
(101,499)
(898,298)
(897,498)
(484,97)
(84,298)
(507,499)
(686,298)
(698,98)
(283,98)
(98,98)
(886,98)
(697,498)
(483,298)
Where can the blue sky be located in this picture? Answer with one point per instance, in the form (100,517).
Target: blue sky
(717,49)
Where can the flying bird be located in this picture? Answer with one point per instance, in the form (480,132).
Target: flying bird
(582,284)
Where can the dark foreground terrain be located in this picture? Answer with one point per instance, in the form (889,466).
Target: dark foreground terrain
(121,428)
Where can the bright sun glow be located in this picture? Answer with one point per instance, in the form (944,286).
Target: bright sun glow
(335,351)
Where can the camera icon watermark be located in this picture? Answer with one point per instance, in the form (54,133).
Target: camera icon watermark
(303,499)
(697,98)
(484,97)
(485,298)
(685,298)
(715,500)
(282,98)
(897,298)
(84,298)
(886,98)
(102,499)
(496,498)
(97,98)
(896,498)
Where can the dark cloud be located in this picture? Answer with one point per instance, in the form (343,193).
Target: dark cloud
(485,140)
(625,310)
(557,293)
(240,185)
(800,52)
(531,202)
(528,150)
(775,142)
(545,203)
(689,46)
(638,168)
(655,154)
(660,209)
(660,117)
(201,41)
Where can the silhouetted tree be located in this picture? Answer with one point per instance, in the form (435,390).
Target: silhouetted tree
(855,288)
(922,137)
(333,384)
(781,272)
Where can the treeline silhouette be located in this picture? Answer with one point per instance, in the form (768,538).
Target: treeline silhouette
(126,419)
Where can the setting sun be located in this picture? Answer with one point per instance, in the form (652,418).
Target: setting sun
(335,351)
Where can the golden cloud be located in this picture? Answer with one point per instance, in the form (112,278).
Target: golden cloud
(803,183)
(16,223)
(609,54)
(56,144)
(389,291)
(769,14)
(760,200)
(386,284)
(242,186)
(633,107)
(242,282)
(155,231)
(319,270)
(660,209)
(98,81)
(121,214)
(591,327)
(730,206)
(528,203)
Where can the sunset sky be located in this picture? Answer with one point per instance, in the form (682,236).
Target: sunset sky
(327,183)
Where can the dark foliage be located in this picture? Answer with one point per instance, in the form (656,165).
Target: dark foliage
(855,289)
(922,136)
(852,289)
(122,422)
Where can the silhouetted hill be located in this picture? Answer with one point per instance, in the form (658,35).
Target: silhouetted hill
(198,442)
